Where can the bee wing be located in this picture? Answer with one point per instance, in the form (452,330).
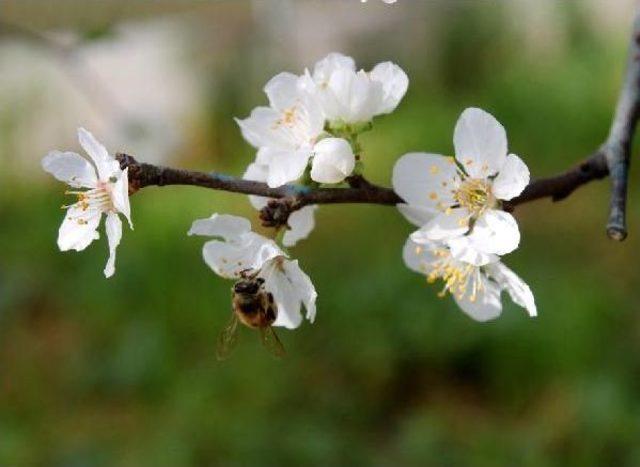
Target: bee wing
(271,342)
(227,339)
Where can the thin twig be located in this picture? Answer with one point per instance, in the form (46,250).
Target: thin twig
(617,148)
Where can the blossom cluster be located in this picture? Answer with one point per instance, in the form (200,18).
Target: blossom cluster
(308,135)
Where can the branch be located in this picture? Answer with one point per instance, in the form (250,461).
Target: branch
(611,158)
(617,147)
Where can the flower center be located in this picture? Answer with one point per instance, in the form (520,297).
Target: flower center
(460,279)
(475,195)
(98,198)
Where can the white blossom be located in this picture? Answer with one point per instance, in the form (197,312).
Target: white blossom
(285,132)
(449,198)
(238,250)
(106,191)
(301,222)
(476,289)
(350,96)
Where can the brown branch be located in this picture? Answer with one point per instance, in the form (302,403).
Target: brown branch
(360,190)
(611,158)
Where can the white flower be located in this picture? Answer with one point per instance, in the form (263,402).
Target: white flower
(285,132)
(333,161)
(351,96)
(240,250)
(107,192)
(476,289)
(450,197)
(300,222)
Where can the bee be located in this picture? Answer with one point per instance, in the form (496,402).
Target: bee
(254,307)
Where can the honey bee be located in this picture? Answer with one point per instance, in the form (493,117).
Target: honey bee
(254,307)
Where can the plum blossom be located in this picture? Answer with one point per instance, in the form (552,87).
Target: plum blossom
(238,250)
(476,289)
(354,97)
(290,131)
(452,197)
(101,188)
(301,222)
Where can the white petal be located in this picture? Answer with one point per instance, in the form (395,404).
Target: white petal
(426,180)
(519,292)
(417,215)
(113,227)
(282,91)
(495,232)
(120,196)
(229,259)
(480,142)
(487,305)
(302,286)
(107,166)
(445,225)
(285,296)
(301,223)
(287,165)
(462,249)
(228,227)
(78,228)
(418,257)
(70,168)
(258,173)
(324,68)
(513,178)
(333,161)
(356,98)
(394,84)
(258,128)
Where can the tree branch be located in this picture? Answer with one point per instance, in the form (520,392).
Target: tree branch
(612,158)
(617,148)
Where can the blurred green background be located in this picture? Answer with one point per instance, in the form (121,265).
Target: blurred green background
(122,372)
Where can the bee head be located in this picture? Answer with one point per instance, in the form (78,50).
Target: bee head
(248,287)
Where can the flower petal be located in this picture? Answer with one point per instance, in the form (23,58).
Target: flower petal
(495,232)
(258,173)
(105,164)
(301,223)
(517,289)
(229,259)
(445,225)
(231,228)
(486,306)
(303,287)
(284,295)
(426,180)
(394,84)
(120,196)
(258,128)
(462,249)
(417,215)
(282,91)
(418,257)
(333,161)
(78,228)
(324,68)
(113,227)
(287,165)
(480,143)
(70,168)
(513,178)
